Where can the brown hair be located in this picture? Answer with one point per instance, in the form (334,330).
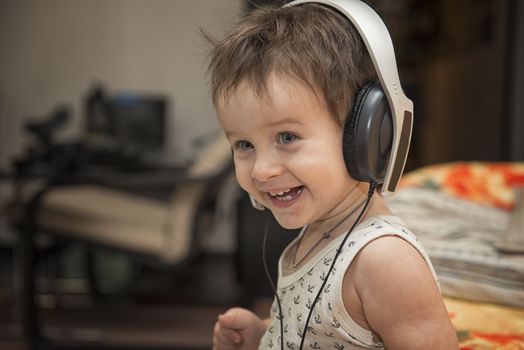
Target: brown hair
(310,42)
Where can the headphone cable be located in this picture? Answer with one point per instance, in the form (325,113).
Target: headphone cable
(372,187)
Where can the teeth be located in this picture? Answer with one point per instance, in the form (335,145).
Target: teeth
(280,193)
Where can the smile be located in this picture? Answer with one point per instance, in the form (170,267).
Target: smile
(287,195)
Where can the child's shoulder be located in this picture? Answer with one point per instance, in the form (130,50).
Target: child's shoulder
(383,243)
(390,259)
(388,247)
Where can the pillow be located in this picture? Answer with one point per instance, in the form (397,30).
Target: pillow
(461,212)
(512,240)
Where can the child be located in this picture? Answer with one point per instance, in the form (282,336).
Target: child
(283,82)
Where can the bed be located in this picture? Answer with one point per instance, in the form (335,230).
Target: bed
(470,218)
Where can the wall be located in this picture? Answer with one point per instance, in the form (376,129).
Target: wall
(53,51)
(516,90)
(463,111)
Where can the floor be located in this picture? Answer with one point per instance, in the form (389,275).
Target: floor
(163,309)
(166,325)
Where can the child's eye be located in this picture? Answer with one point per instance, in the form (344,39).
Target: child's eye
(287,137)
(243,145)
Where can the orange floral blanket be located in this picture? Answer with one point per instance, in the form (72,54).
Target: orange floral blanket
(479,325)
(484,326)
(479,182)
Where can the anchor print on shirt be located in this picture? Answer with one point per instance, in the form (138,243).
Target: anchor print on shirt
(311,330)
(314,346)
(309,304)
(335,323)
(317,319)
(338,346)
(323,276)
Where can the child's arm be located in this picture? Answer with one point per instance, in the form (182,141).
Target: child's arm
(238,329)
(400,299)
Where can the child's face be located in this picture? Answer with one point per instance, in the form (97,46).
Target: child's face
(287,151)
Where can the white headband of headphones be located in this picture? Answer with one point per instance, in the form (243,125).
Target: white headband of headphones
(380,47)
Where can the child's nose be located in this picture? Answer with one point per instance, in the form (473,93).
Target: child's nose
(266,167)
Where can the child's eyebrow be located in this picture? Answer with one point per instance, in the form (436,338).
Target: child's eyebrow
(283,121)
(229,134)
(290,121)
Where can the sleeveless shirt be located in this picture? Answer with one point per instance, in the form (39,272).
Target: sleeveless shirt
(330,326)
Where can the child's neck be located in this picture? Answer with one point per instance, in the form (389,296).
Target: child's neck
(336,222)
(348,211)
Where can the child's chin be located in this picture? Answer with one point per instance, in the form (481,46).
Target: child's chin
(287,224)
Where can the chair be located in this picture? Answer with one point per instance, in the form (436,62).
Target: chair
(95,213)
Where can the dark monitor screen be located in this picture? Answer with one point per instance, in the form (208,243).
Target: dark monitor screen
(139,121)
(131,122)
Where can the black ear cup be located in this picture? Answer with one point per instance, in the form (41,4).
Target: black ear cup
(368,135)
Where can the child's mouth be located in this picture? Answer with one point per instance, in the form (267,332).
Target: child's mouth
(287,195)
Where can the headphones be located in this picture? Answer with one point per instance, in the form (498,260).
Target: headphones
(377,131)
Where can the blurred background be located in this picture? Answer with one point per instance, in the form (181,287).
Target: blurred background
(121,224)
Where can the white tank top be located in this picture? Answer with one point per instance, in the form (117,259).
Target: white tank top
(330,326)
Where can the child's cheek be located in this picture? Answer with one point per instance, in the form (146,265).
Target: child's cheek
(243,176)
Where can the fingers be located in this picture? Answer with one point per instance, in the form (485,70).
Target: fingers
(232,320)
(229,320)
(225,338)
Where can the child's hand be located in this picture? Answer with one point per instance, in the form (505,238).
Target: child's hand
(238,329)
